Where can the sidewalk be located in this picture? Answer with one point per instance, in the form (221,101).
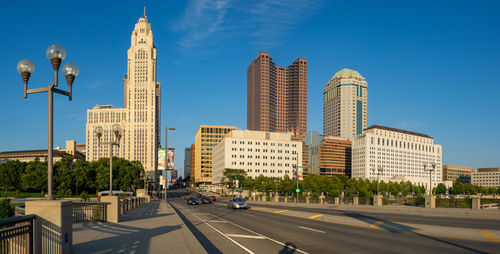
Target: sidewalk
(153,228)
(451,212)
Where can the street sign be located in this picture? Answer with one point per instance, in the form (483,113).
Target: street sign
(297,190)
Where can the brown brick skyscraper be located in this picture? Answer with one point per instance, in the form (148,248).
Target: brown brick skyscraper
(277,96)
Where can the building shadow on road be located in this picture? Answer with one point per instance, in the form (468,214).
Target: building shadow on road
(204,241)
(397,228)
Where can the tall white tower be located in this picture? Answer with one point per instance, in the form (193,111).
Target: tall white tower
(140,116)
(345,104)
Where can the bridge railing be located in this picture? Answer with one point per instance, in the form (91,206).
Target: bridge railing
(16,234)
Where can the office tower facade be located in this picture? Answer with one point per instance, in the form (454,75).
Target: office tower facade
(193,157)
(456,173)
(345,104)
(277,96)
(140,116)
(187,162)
(486,177)
(206,138)
(401,155)
(258,153)
(328,155)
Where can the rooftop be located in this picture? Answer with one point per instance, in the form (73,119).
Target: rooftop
(397,130)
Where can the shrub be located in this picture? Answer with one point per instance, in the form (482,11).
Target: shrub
(6,210)
(84,196)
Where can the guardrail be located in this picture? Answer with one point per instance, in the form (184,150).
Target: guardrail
(128,204)
(16,234)
(89,211)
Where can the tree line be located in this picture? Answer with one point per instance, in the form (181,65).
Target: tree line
(71,176)
(335,185)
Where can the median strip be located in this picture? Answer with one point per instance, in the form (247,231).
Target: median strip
(280,211)
(488,235)
(377,224)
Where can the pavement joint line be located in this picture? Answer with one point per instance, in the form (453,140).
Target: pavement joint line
(404,231)
(316,216)
(488,235)
(229,238)
(311,229)
(280,211)
(377,224)
(246,236)
(270,239)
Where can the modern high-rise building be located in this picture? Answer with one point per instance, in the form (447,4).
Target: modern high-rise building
(140,116)
(400,154)
(345,104)
(456,173)
(277,96)
(206,138)
(193,157)
(328,155)
(258,153)
(187,162)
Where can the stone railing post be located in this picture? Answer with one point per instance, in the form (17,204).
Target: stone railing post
(476,203)
(336,201)
(307,200)
(53,229)
(377,200)
(430,201)
(355,201)
(113,209)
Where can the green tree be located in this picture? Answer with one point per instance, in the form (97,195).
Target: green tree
(10,173)
(232,175)
(63,176)
(440,189)
(6,210)
(35,176)
(81,174)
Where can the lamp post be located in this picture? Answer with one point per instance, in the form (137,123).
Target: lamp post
(55,53)
(166,159)
(379,170)
(433,165)
(117,130)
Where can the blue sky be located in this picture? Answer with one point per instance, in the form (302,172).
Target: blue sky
(431,66)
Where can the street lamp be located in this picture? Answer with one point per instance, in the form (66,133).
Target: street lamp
(55,53)
(117,131)
(379,170)
(433,165)
(166,159)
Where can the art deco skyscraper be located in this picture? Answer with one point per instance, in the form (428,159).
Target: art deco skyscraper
(277,96)
(345,104)
(140,116)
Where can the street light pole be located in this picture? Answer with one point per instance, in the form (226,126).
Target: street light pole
(56,54)
(116,129)
(433,165)
(166,159)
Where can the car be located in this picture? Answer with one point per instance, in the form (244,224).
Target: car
(213,198)
(237,203)
(206,200)
(193,201)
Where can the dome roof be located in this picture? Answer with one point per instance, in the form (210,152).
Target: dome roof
(347,73)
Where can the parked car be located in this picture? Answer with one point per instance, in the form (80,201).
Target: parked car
(237,203)
(206,200)
(213,198)
(193,201)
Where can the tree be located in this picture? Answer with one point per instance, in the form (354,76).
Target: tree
(440,189)
(6,210)
(234,174)
(10,173)
(81,172)
(35,176)
(63,177)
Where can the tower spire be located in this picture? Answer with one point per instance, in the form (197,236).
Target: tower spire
(145,12)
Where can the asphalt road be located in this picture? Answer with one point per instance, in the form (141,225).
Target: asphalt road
(222,230)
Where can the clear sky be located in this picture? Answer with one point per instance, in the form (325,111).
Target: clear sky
(431,66)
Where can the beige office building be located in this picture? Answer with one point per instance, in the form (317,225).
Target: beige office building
(206,138)
(345,104)
(257,153)
(140,115)
(456,173)
(486,177)
(401,154)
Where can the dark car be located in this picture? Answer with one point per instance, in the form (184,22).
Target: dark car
(193,201)
(213,198)
(206,200)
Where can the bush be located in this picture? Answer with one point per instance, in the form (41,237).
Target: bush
(84,196)
(6,210)
(96,215)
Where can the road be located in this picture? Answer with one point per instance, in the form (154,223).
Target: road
(275,229)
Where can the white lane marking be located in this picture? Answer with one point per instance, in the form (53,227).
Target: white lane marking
(218,221)
(312,229)
(229,238)
(247,236)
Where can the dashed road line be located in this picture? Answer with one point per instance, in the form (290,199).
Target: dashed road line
(246,236)
(311,229)
(316,216)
